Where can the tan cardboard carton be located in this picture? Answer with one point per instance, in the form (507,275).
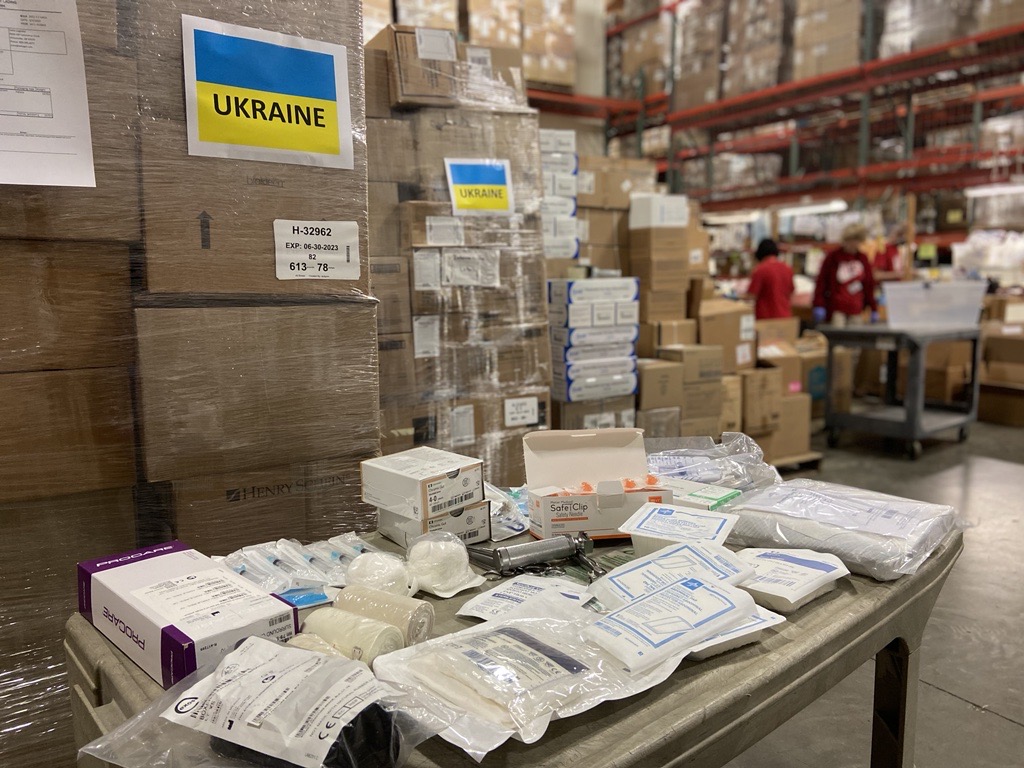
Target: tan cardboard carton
(784,356)
(333,497)
(384,219)
(705,426)
(389,282)
(596,414)
(762,400)
(1002,404)
(792,439)
(665,333)
(701,362)
(391,151)
(63,306)
(396,430)
(397,367)
(224,389)
(378,89)
(660,422)
(702,400)
(729,324)
(65,432)
(659,305)
(785,329)
(660,384)
(416,82)
(732,404)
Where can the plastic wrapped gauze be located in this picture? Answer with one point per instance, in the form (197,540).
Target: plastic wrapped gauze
(314,643)
(736,462)
(414,618)
(440,564)
(383,571)
(874,534)
(357,637)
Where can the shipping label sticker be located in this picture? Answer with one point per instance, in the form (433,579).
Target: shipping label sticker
(743,354)
(696,256)
(480,187)
(583,230)
(599,421)
(463,426)
(316,250)
(426,336)
(435,44)
(586,182)
(747,328)
(445,230)
(426,269)
(476,267)
(521,411)
(256,95)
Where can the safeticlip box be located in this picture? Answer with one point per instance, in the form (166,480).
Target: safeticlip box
(423,483)
(562,459)
(172,610)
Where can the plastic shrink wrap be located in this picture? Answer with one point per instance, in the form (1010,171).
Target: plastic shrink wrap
(464,350)
(736,462)
(874,534)
(157,379)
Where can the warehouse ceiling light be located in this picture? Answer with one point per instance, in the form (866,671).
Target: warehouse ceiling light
(832,206)
(995,190)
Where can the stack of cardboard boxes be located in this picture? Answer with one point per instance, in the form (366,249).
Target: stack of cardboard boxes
(427,13)
(469,364)
(549,42)
(560,165)
(700,32)
(640,57)
(495,23)
(593,337)
(826,37)
(154,372)
(698,396)
(377,14)
(782,386)
(760,46)
(1002,388)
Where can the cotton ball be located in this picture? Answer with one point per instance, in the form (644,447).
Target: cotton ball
(440,564)
(383,571)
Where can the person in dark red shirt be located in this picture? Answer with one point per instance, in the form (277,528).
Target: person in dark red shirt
(845,286)
(771,283)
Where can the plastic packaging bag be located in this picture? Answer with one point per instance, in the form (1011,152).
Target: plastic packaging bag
(744,634)
(507,518)
(788,579)
(383,571)
(295,708)
(736,462)
(516,595)
(439,562)
(511,677)
(874,534)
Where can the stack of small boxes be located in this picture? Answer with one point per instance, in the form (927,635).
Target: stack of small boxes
(426,490)
(560,166)
(700,33)
(593,337)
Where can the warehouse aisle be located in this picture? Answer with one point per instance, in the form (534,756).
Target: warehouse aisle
(971,698)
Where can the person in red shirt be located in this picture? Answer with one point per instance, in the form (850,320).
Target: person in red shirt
(771,283)
(886,264)
(845,285)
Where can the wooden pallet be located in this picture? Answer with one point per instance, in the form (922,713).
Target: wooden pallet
(802,463)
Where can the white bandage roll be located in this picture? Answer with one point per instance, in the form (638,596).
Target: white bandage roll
(314,643)
(383,571)
(357,637)
(415,618)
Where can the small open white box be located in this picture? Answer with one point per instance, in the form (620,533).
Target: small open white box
(559,459)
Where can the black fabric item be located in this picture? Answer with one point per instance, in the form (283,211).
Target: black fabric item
(371,740)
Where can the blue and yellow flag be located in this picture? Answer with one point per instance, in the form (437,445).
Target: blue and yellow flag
(256,94)
(479,186)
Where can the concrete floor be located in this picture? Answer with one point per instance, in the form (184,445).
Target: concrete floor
(971,695)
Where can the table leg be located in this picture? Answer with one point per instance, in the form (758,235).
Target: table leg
(894,718)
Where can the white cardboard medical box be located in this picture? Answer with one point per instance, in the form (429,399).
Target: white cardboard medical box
(560,459)
(423,482)
(471,524)
(172,610)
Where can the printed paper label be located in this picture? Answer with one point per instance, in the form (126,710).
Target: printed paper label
(435,44)
(256,95)
(463,425)
(480,187)
(287,703)
(426,269)
(748,330)
(583,230)
(561,247)
(479,57)
(445,230)
(426,335)
(599,421)
(557,140)
(585,182)
(743,354)
(628,418)
(518,660)
(558,206)
(316,250)
(521,411)
(680,523)
(515,593)
(472,267)
(696,256)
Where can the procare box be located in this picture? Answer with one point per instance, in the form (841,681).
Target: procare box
(172,610)
(560,459)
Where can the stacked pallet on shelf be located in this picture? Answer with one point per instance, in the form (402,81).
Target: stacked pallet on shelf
(826,37)
(910,25)
(443,14)
(157,379)
(377,14)
(473,371)
(549,43)
(700,34)
(495,22)
(640,58)
(760,45)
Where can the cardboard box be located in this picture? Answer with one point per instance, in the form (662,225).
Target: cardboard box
(475,418)
(702,400)
(609,183)
(659,212)
(786,330)
(110,211)
(729,324)
(597,256)
(603,458)
(660,422)
(378,88)
(659,305)
(206,510)
(396,430)
(594,387)
(793,437)
(732,404)
(389,282)
(842,380)
(391,151)
(689,246)
(423,483)
(762,400)
(416,82)
(706,426)
(616,289)
(384,219)
(65,432)
(397,367)
(665,333)
(596,414)
(471,524)
(63,306)
(227,389)
(662,275)
(1004,359)
(701,362)
(602,228)
(172,610)
(210,221)
(783,355)
(333,491)
(1002,404)
(943,385)
(598,314)
(660,384)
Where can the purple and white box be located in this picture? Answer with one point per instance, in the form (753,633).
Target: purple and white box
(172,610)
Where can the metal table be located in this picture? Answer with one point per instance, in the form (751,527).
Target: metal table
(910,420)
(705,714)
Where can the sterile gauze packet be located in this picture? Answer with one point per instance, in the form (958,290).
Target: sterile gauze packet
(787,579)
(440,564)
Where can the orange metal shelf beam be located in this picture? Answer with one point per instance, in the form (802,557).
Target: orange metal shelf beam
(580,106)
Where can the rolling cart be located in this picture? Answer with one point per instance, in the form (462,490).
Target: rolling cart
(910,420)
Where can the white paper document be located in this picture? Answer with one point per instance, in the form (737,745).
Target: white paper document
(45,138)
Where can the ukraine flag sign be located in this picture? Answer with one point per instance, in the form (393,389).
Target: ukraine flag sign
(265,96)
(480,187)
